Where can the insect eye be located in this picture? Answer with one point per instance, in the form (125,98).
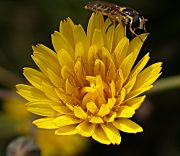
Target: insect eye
(136,22)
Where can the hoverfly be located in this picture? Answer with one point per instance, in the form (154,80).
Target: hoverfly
(128,16)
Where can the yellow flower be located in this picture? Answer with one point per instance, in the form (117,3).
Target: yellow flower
(15,112)
(89,85)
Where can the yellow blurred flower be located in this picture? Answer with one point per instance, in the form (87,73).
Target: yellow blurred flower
(90,84)
(50,144)
(53,145)
(15,112)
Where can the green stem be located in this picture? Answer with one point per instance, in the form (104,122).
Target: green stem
(166,84)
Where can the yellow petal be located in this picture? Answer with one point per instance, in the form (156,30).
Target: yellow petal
(67,99)
(127,126)
(80,72)
(85,128)
(80,52)
(54,78)
(137,92)
(43,63)
(97,38)
(109,36)
(50,92)
(120,80)
(96,119)
(119,33)
(104,110)
(121,51)
(121,97)
(35,77)
(96,21)
(111,102)
(89,90)
(91,106)
(148,76)
(66,120)
(135,103)
(91,79)
(110,117)
(47,123)
(80,113)
(67,73)
(67,28)
(66,130)
(106,25)
(125,112)
(112,133)
(30,93)
(136,44)
(40,64)
(110,66)
(41,108)
(80,36)
(129,85)
(99,68)
(70,89)
(90,28)
(126,65)
(59,107)
(65,58)
(99,82)
(46,52)
(112,87)
(60,42)
(141,64)
(100,136)
(134,51)
(92,56)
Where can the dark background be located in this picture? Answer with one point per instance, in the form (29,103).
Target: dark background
(26,23)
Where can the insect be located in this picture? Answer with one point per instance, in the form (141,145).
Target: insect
(128,16)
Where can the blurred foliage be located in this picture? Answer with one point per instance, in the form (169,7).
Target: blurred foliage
(25,23)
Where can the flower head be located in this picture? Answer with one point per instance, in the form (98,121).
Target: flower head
(89,85)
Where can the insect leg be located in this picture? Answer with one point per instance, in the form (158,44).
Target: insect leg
(145,29)
(112,22)
(133,33)
(144,20)
(125,30)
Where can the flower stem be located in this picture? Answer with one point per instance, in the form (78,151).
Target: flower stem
(166,84)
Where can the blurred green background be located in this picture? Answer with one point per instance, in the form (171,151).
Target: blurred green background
(25,23)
